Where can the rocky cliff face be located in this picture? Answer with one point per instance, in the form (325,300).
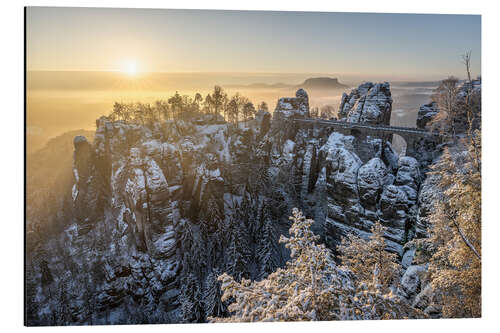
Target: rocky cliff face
(160,211)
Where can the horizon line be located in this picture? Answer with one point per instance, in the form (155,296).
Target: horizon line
(330,75)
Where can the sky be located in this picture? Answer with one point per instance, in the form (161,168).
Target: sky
(405,46)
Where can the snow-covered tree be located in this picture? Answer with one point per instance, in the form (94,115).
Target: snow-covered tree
(193,249)
(363,257)
(31,291)
(212,295)
(46,278)
(310,287)
(239,252)
(307,289)
(454,245)
(191,300)
(248,110)
(214,215)
(375,275)
(267,245)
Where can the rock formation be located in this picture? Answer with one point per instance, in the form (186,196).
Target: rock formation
(161,210)
(426,113)
(369,103)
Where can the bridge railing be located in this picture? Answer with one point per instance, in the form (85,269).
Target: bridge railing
(391,129)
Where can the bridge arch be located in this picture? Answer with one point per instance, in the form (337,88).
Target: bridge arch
(399,144)
(411,136)
(355,132)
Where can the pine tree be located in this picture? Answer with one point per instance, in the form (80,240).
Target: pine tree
(195,259)
(239,251)
(212,295)
(311,287)
(191,300)
(363,257)
(245,212)
(214,215)
(189,248)
(455,232)
(31,306)
(63,311)
(47,278)
(267,250)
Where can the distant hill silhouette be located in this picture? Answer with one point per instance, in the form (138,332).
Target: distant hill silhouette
(323,83)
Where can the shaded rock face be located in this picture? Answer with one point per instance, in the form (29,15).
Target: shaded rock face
(159,209)
(263,119)
(427,197)
(87,190)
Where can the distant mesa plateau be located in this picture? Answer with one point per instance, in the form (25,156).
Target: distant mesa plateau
(316,83)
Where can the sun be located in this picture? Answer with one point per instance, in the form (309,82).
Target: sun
(130,68)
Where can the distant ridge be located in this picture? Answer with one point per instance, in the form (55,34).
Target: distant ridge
(323,83)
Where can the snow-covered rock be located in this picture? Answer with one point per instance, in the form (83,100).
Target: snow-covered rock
(426,113)
(410,284)
(159,207)
(369,103)
(287,109)
(293,106)
(372,177)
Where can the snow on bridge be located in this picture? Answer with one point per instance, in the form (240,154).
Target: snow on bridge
(368,127)
(411,135)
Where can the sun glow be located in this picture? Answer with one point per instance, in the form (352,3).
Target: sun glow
(129,68)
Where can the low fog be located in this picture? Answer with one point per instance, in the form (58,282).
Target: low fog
(58,102)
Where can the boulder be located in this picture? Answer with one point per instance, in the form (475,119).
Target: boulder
(408,172)
(371,180)
(393,200)
(410,284)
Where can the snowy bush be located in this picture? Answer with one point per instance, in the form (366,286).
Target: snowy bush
(310,287)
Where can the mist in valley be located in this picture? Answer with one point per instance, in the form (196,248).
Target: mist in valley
(62,101)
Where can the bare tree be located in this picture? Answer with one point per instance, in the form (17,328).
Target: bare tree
(466,60)
(469,104)
(446,95)
(327,111)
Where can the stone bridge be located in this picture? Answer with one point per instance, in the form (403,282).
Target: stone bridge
(412,136)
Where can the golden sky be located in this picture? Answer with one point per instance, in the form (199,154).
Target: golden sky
(405,46)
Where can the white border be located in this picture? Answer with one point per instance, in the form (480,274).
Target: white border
(12,136)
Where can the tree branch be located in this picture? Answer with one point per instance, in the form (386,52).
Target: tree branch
(466,241)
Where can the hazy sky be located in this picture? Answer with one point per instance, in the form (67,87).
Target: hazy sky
(403,46)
